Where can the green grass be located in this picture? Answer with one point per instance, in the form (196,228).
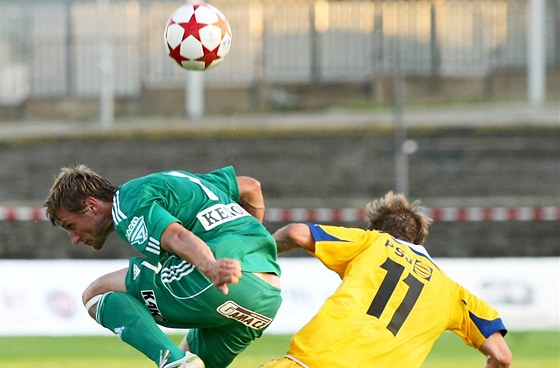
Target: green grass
(530,350)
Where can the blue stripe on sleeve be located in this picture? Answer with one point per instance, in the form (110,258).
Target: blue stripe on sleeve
(489,327)
(321,235)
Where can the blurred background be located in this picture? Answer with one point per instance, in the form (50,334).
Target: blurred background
(328,103)
(58,56)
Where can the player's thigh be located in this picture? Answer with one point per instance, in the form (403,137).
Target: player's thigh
(114,281)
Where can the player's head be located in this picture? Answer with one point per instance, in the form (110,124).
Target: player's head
(71,189)
(393,214)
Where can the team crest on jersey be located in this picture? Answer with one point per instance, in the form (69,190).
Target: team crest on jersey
(249,318)
(220,214)
(423,270)
(137,232)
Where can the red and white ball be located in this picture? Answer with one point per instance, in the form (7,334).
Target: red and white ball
(197,36)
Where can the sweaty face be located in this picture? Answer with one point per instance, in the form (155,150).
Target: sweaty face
(88,227)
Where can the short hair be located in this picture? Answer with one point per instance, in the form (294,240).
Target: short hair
(395,215)
(71,188)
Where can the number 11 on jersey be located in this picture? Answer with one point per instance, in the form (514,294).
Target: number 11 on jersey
(388,285)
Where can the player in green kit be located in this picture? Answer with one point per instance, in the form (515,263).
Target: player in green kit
(209,265)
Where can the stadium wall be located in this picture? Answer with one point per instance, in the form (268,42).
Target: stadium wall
(495,179)
(45,297)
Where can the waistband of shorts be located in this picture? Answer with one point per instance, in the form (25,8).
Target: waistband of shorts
(259,281)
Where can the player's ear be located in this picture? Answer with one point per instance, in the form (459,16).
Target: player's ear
(91,204)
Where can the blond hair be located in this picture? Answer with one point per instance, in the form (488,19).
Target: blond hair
(395,215)
(71,188)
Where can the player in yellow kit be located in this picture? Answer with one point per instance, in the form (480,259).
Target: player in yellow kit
(394,300)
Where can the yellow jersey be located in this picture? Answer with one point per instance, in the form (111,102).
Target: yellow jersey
(391,306)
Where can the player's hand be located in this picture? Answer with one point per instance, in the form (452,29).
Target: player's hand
(226,271)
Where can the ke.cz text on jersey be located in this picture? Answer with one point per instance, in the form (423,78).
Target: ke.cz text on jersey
(219,214)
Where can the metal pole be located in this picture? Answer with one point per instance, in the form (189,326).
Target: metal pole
(401,157)
(536,63)
(194,87)
(194,94)
(106,88)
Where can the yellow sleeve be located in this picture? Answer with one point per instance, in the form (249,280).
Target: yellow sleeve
(337,246)
(474,320)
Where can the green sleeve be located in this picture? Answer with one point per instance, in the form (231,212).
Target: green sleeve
(158,219)
(225,179)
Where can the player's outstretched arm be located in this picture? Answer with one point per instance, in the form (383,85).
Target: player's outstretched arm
(251,197)
(294,236)
(188,246)
(496,351)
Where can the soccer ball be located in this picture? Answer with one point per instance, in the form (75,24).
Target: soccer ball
(197,36)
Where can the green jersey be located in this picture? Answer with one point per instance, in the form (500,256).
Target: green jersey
(176,293)
(205,204)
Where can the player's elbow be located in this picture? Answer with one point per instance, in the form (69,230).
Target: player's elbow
(502,360)
(248,185)
(497,351)
(253,183)
(295,235)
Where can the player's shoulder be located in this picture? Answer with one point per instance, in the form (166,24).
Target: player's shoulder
(322,232)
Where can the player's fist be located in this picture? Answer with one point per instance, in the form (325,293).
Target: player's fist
(226,271)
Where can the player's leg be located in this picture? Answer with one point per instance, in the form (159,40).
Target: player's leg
(248,309)
(184,345)
(131,321)
(218,347)
(109,304)
(114,281)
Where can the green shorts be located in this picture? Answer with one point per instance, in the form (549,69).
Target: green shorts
(220,326)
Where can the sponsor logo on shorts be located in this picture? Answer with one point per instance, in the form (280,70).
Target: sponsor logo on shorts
(249,318)
(151,303)
(220,214)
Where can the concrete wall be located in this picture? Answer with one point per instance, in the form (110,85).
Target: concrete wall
(343,168)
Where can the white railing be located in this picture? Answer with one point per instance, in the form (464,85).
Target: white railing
(59,44)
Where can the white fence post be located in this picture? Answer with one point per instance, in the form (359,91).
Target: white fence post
(536,55)
(106,90)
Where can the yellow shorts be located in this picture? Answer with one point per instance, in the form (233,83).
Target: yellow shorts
(281,363)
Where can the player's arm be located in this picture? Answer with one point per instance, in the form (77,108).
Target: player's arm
(251,197)
(496,351)
(292,236)
(188,246)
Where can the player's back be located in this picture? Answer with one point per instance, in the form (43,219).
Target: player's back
(391,306)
